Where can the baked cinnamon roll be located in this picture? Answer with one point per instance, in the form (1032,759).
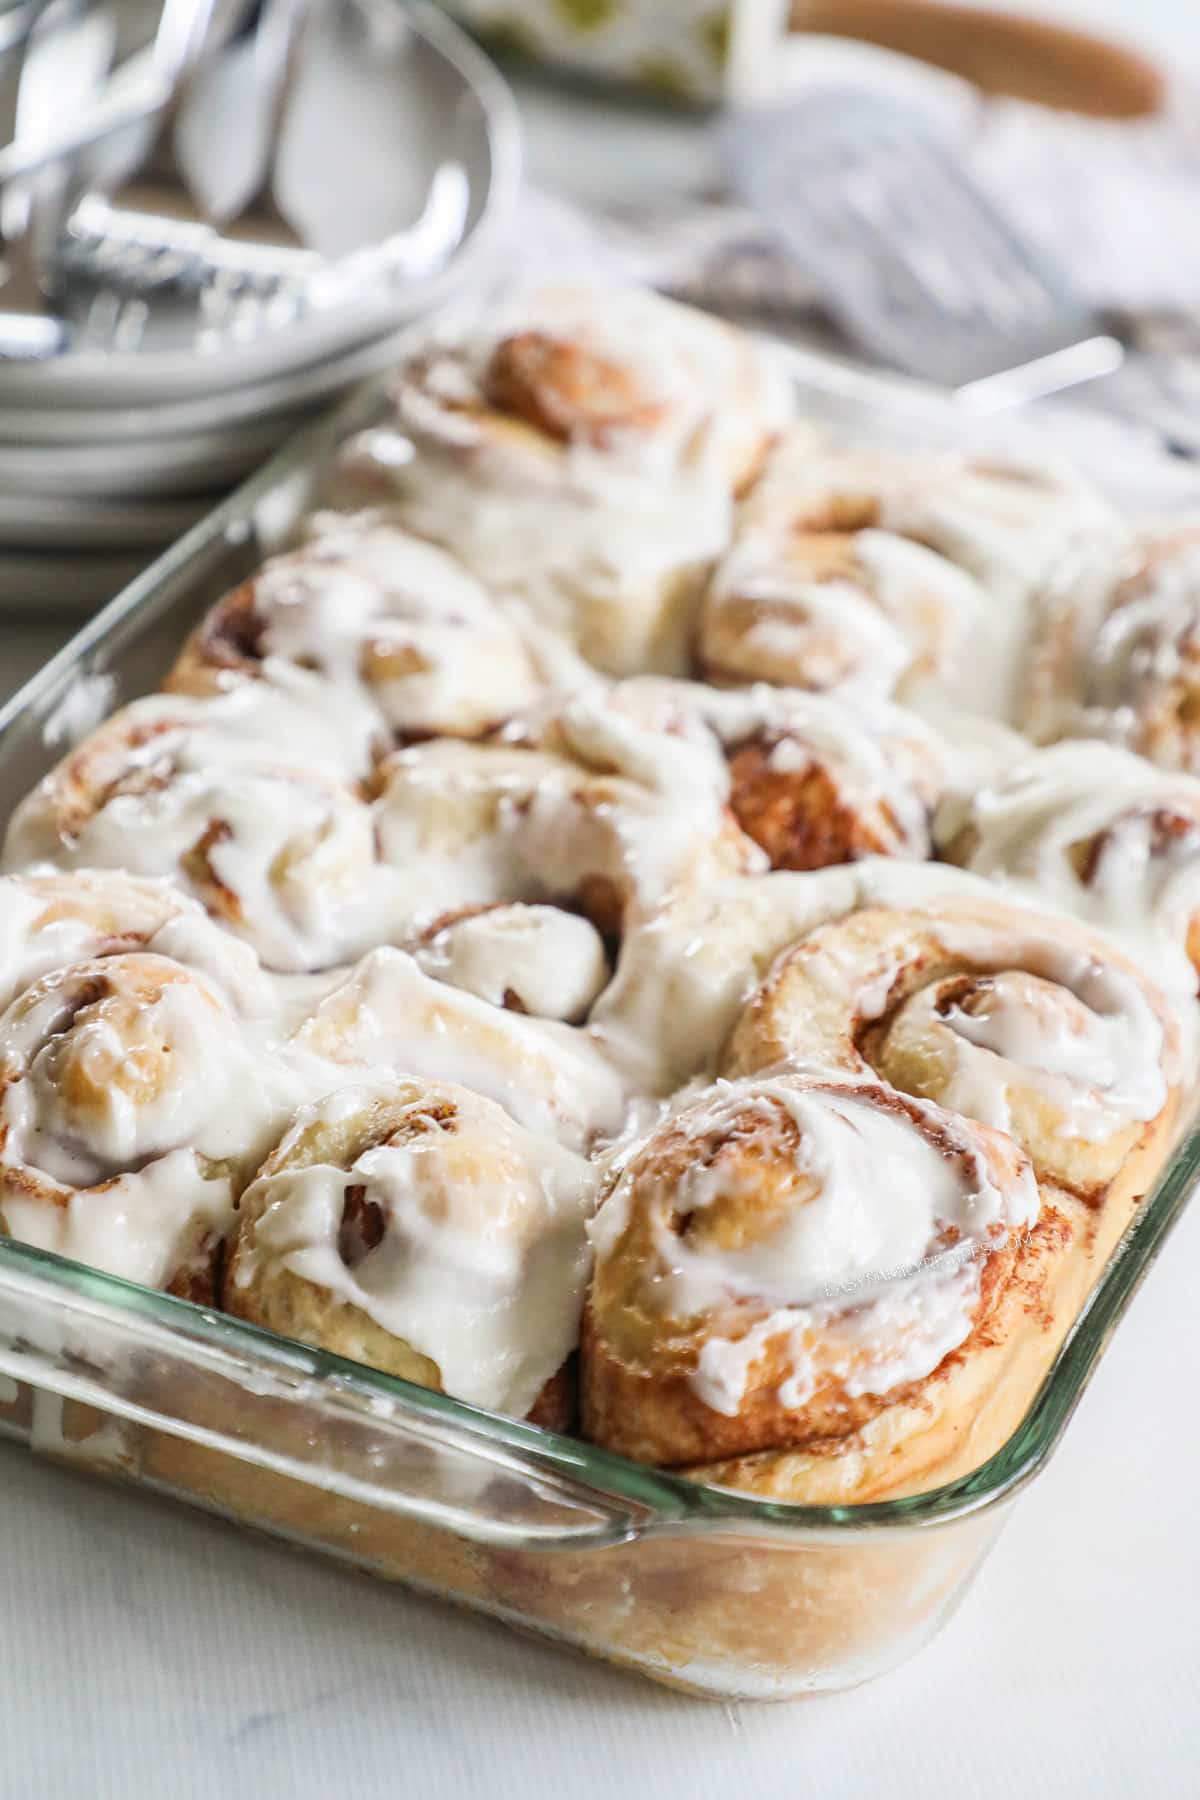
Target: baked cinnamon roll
(387,1014)
(770,1315)
(1102,833)
(1020,1020)
(757,1287)
(1117,648)
(530,959)
(395,624)
(131,1100)
(685,973)
(278,851)
(50,921)
(581,448)
(886,573)
(814,780)
(607,814)
(415,1227)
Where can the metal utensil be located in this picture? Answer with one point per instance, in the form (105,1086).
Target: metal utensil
(230,171)
(914,261)
(65,54)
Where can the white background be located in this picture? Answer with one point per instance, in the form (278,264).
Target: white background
(145,1650)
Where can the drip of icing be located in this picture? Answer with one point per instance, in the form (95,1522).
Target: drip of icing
(1032,829)
(871,1279)
(483,1259)
(1099,1052)
(548,1077)
(537,959)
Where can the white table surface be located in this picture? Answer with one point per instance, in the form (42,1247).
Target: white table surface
(146,1650)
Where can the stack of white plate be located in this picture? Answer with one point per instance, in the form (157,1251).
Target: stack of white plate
(161,400)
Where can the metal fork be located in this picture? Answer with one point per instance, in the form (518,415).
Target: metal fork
(914,261)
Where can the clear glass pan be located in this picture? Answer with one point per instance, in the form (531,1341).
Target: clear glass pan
(715,1592)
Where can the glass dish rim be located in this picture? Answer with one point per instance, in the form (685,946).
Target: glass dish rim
(664,1500)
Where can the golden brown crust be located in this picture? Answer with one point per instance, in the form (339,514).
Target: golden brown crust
(930,969)
(224,647)
(731,1174)
(268,1292)
(566,389)
(1117,649)
(801,817)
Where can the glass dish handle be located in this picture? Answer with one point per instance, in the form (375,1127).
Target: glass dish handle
(163,1366)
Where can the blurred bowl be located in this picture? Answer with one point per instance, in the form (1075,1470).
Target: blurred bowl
(398,121)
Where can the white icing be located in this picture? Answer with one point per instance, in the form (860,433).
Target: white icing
(467,825)
(1029,826)
(859,1262)
(140,1226)
(483,1258)
(601,535)
(550,963)
(395,622)
(549,1077)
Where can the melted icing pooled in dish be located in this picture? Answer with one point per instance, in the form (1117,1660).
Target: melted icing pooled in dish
(750,1248)
(427,1209)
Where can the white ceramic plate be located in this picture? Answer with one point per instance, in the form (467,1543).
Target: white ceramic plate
(403,106)
(50,522)
(74,425)
(201,462)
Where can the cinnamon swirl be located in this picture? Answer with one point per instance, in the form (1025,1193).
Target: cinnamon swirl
(417,1228)
(275,848)
(582,450)
(757,1287)
(1117,647)
(1038,1028)
(1105,835)
(397,625)
(887,574)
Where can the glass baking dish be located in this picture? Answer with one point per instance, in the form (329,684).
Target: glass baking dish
(705,1589)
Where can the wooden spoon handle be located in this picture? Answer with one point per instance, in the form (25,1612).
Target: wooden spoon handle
(1002,53)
